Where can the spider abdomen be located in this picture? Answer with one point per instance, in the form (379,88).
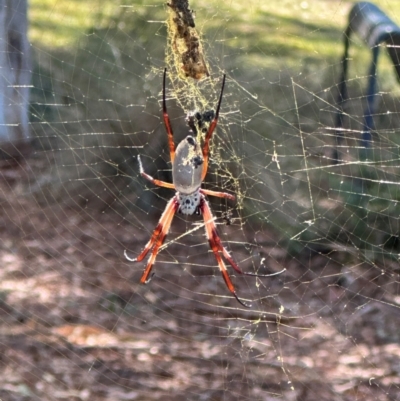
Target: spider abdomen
(189,204)
(187,167)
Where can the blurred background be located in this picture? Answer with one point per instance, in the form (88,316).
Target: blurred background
(76,323)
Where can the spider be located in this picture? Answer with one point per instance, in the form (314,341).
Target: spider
(189,168)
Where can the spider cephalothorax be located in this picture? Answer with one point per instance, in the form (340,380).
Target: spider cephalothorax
(189,168)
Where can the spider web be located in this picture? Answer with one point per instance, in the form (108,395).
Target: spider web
(76,323)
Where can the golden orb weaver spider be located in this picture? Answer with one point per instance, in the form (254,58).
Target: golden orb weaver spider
(187,177)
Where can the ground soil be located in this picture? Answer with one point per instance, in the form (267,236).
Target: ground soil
(76,325)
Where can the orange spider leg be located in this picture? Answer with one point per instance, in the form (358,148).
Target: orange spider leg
(170,210)
(215,245)
(232,262)
(217,194)
(167,122)
(157,239)
(172,206)
(206,146)
(153,180)
(229,258)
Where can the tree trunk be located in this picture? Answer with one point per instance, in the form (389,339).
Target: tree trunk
(15,77)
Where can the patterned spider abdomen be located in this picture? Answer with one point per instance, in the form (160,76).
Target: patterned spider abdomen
(189,204)
(186,174)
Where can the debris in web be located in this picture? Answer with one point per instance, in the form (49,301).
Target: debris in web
(185,41)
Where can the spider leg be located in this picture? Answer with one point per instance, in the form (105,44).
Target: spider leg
(231,261)
(222,249)
(164,231)
(151,179)
(206,146)
(217,194)
(167,121)
(215,245)
(156,239)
